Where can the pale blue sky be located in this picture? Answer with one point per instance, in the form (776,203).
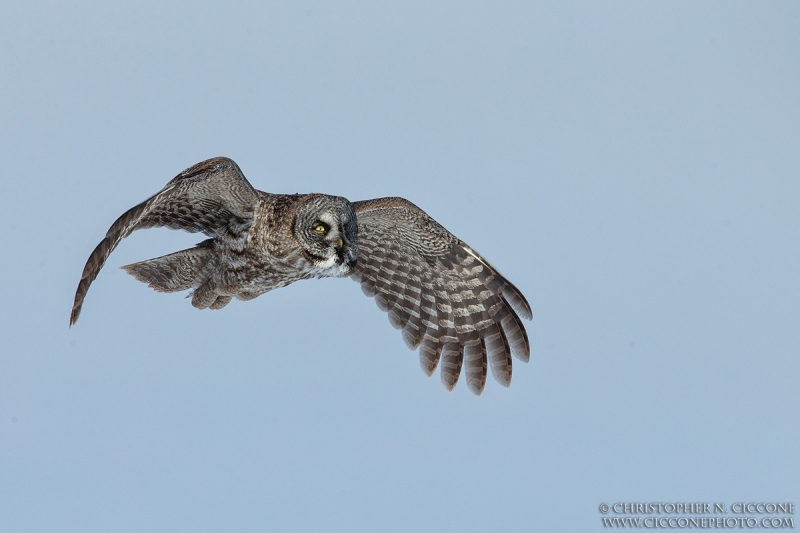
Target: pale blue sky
(633,167)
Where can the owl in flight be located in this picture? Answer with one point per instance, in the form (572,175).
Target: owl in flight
(447,300)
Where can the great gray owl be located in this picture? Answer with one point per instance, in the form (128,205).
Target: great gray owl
(448,300)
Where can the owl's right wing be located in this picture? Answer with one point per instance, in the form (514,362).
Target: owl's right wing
(448,300)
(212,197)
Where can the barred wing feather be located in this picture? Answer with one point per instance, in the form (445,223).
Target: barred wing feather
(447,300)
(212,197)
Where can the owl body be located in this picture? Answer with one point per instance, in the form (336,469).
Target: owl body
(274,250)
(446,299)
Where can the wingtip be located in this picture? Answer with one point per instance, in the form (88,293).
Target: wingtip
(477,390)
(76,311)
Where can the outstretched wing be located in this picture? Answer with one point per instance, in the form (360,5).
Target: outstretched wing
(212,197)
(448,300)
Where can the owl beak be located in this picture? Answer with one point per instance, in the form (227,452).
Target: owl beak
(345,252)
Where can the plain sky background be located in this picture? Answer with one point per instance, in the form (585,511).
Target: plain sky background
(633,167)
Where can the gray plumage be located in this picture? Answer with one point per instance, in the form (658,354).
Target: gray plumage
(447,300)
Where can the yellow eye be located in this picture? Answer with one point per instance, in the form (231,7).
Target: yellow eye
(319,228)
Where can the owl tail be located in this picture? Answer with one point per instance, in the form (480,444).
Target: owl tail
(174,272)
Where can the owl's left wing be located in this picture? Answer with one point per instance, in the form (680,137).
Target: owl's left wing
(212,197)
(448,300)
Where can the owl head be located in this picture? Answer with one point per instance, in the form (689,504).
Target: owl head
(326,228)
